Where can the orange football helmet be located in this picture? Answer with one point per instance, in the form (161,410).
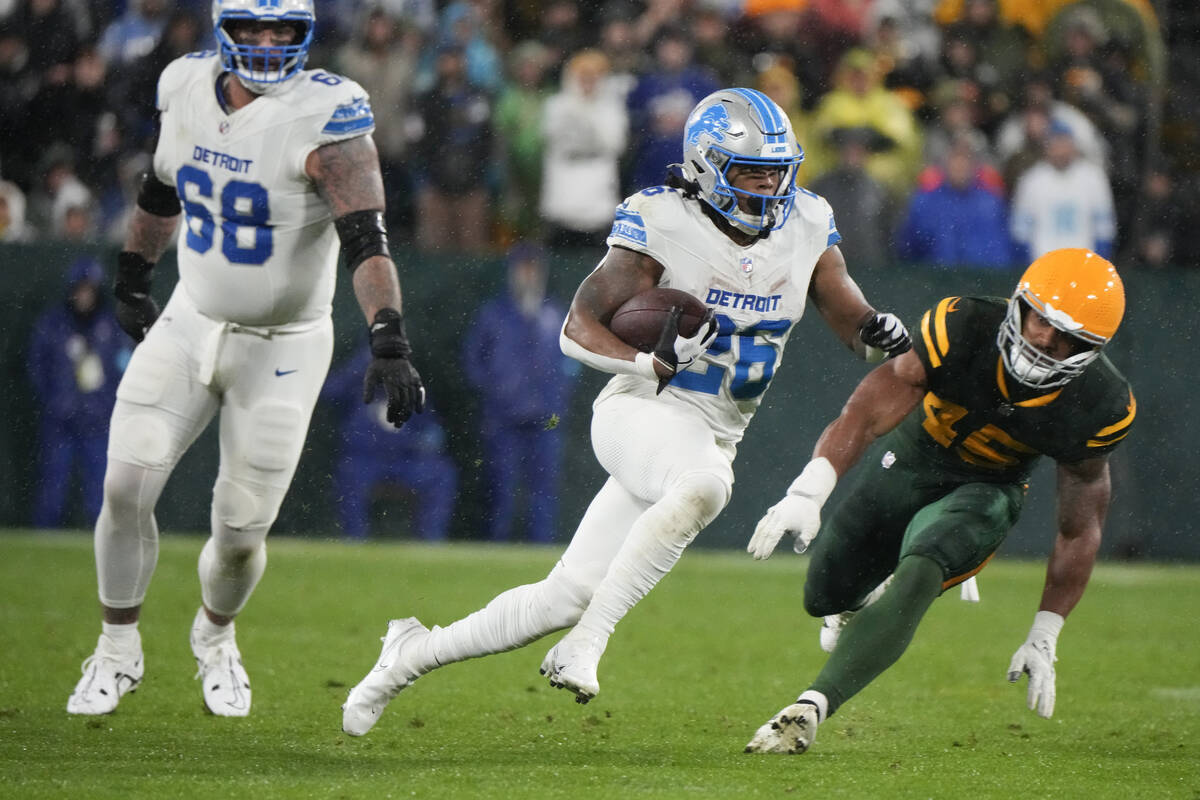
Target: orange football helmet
(1080,294)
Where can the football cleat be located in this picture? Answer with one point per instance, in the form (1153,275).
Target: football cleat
(831,630)
(791,731)
(224,681)
(572,664)
(393,672)
(108,673)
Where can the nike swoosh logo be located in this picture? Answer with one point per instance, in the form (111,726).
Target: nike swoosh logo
(279,373)
(389,653)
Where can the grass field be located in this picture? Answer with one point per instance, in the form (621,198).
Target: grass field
(715,650)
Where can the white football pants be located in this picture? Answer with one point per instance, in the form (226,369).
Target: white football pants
(265,384)
(669,479)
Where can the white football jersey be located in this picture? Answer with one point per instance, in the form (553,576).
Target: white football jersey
(758,293)
(1063,208)
(257,246)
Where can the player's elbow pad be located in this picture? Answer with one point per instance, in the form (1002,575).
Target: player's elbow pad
(157,198)
(363,236)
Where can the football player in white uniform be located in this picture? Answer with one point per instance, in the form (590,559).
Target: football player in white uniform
(736,232)
(270,165)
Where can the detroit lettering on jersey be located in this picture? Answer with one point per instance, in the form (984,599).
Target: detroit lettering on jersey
(746,302)
(222,160)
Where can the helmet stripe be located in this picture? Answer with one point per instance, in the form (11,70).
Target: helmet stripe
(773,125)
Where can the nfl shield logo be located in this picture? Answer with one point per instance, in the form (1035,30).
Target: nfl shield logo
(747,264)
(223,127)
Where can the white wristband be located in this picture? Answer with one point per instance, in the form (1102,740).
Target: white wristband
(1048,623)
(816,481)
(644,365)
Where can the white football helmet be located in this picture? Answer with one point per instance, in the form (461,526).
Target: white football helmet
(741,127)
(263,70)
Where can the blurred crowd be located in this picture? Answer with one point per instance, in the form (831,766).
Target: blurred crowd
(959,132)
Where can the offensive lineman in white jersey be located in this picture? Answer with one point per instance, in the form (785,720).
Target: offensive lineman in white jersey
(266,161)
(737,233)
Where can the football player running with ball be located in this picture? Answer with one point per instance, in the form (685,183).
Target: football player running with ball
(739,235)
(987,389)
(270,165)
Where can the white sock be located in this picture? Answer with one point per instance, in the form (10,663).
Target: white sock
(818,699)
(125,636)
(208,632)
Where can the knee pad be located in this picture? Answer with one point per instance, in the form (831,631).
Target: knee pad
(704,494)
(242,514)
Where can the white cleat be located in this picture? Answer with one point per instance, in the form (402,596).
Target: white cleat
(791,731)
(393,672)
(108,673)
(223,679)
(831,630)
(572,664)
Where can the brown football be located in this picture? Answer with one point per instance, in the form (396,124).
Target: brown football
(639,321)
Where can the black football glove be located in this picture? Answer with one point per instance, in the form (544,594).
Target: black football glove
(677,352)
(885,334)
(390,366)
(136,309)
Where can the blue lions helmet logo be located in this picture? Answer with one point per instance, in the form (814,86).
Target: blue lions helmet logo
(713,121)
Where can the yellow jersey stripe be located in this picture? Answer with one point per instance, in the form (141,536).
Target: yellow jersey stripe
(1124,423)
(935,360)
(943,338)
(1106,442)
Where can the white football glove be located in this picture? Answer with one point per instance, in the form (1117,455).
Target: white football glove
(798,513)
(1036,659)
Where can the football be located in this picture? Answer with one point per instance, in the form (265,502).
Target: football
(639,321)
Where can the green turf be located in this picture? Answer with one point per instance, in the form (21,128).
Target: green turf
(715,650)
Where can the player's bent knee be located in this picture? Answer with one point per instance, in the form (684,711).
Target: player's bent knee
(242,514)
(278,436)
(706,493)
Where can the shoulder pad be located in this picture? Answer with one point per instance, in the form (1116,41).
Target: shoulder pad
(181,72)
(340,104)
(814,212)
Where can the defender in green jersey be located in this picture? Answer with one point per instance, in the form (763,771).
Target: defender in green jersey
(988,388)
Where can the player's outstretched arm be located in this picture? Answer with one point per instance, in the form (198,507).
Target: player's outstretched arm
(874,336)
(585,335)
(1083,493)
(347,175)
(877,405)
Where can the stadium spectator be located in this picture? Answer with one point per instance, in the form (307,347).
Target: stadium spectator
(1160,222)
(562,31)
(452,152)
(905,67)
(512,360)
(373,457)
(137,82)
(13,227)
(58,189)
(859,100)
(625,58)
(959,221)
(1062,201)
(861,204)
(382,56)
(673,80)
(710,32)
(76,355)
(956,105)
(1002,57)
(464,24)
(1038,99)
(584,130)
(520,110)
(135,33)
(775,34)
(51,36)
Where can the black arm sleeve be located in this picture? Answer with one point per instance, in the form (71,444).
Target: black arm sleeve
(363,235)
(157,198)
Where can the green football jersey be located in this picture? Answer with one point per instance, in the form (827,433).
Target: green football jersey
(977,423)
